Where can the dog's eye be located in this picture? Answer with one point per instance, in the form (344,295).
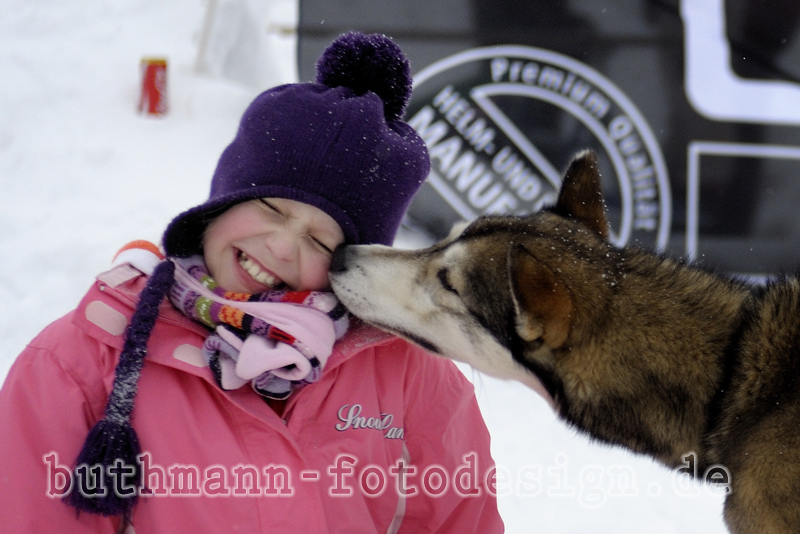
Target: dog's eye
(444,279)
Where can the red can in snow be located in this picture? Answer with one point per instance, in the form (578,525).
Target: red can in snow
(153,99)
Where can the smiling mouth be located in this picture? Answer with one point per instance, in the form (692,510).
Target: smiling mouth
(257,273)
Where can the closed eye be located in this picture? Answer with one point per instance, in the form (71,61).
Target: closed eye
(443,276)
(322,247)
(269,206)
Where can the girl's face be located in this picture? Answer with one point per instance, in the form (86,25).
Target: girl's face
(271,243)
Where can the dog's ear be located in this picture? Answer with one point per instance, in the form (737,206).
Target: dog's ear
(542,303)
(457,229)
(581,196)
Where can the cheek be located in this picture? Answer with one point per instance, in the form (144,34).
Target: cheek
(211,257)
(219,236)
(314,274)
(213,245)
(216,235)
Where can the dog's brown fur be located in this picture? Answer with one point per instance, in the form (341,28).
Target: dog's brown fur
(633,348)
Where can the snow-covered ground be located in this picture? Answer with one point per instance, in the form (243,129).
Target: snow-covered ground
(81,173)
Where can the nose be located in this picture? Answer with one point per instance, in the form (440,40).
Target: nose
(339,259)
(283,246)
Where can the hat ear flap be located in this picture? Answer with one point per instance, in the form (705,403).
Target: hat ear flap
(113,442)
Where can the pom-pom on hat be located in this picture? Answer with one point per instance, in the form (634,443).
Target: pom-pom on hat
(338,144)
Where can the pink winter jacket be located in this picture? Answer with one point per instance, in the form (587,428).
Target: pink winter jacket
(217,461)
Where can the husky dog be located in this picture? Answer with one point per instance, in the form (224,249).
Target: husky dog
(632,348)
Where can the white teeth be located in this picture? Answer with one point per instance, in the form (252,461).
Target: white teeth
(253,269)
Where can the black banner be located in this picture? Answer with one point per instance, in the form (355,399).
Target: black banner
(693,107)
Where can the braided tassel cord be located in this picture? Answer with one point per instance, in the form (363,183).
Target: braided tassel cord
(106,478)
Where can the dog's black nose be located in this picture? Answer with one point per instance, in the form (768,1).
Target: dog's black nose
(339,259)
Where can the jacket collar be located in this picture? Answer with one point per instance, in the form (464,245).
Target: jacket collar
(106,309)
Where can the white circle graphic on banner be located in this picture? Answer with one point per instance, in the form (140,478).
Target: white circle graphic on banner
(498,120)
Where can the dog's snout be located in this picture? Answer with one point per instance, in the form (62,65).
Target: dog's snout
(339,259)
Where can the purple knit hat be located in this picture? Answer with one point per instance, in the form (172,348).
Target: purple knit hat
(338,144)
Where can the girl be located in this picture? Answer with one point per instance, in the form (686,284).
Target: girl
(260,405)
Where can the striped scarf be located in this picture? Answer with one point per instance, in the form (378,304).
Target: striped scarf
(276,340)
